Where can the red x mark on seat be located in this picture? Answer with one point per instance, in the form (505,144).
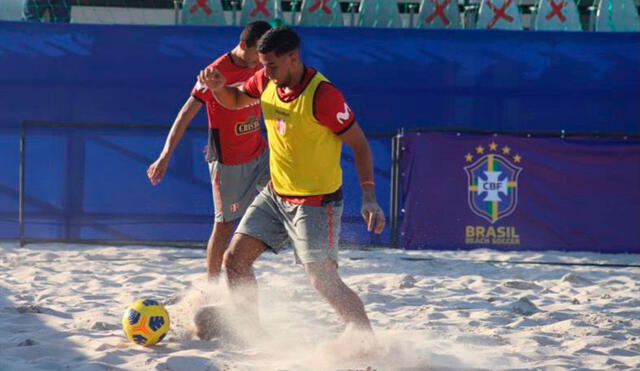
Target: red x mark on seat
(499,13)
(318,4)
(261,7)
(557,10)
(439,12)
(204,4)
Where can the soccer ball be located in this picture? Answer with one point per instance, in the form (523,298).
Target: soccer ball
(145,322)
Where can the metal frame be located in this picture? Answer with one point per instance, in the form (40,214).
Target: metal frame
(529,133)
(395,186)
(21,185)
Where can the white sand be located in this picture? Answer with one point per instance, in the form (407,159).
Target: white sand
(61,305)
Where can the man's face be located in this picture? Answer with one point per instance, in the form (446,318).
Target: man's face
(251,57)
(278,68)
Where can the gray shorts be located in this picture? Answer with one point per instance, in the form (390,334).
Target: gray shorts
(235,186)
(312,230)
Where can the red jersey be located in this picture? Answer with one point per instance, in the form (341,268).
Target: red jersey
(234,135)
(329,105)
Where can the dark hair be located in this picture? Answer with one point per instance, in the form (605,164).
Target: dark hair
(280,40)
(253,31)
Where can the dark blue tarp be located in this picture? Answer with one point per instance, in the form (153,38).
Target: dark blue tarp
(392,78)
(464,190)
(90,183)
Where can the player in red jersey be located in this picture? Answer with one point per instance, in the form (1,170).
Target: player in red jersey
(236,151)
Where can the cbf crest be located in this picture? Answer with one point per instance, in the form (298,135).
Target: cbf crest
(492,181)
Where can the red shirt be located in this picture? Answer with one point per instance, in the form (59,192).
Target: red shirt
(329,105)
(234,135)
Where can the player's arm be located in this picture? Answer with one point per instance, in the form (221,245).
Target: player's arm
(157,170)
(371,211)
(229,97)
(332,111)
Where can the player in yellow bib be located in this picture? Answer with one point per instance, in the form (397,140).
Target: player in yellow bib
(307,121)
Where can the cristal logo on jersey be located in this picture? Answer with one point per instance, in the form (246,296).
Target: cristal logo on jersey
(343,116)
(492,181)
(249,126)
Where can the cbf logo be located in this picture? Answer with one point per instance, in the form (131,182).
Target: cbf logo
(493,181)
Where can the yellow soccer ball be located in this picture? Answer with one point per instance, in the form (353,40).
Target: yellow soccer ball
(145,322)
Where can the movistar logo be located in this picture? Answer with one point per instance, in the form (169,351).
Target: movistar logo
(344,116)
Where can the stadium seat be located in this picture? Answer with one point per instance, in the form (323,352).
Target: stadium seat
(259,10)
(439,14)
(617,15)
(11,10)
(557,15)
(499,14)
(376,13)
(202,12)
(321,13)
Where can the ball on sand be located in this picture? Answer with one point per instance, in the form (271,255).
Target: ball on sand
(145,322)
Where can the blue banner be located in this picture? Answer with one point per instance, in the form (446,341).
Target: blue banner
(412,78)
(463,190)
(392,78)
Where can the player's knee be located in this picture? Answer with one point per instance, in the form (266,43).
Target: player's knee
(228,260)
(232,262)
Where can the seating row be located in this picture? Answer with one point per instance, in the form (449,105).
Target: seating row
(610,15)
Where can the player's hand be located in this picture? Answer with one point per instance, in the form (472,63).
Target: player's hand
(156,171)
(373,216)
(212,78)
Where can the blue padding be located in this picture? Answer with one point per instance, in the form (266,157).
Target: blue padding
(90,183)
(392,78)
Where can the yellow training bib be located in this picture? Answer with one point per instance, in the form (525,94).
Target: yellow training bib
(304,154)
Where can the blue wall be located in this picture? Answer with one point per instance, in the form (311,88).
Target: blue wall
(524,81)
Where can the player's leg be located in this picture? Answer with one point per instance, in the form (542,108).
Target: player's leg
(233,189)
(238,264)
(261,228)
(325,278)
(217,245)
(315,232)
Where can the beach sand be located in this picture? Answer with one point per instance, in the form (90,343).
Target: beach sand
(61,306)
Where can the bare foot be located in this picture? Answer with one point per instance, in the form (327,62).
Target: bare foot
(210,323)
(354,344)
